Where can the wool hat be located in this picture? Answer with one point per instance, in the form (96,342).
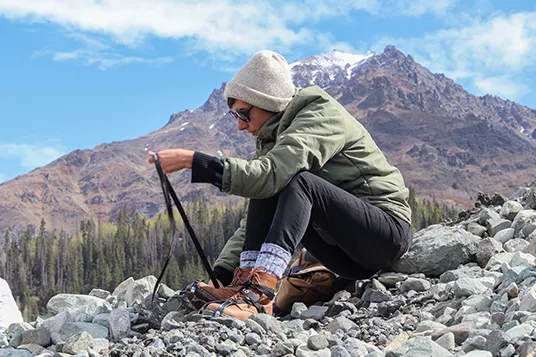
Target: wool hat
(264,81)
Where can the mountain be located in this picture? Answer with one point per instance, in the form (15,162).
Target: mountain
(447,143)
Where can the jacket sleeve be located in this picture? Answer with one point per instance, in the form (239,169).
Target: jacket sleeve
(229,257)
(314,136)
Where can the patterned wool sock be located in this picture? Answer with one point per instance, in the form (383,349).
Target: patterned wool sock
(274,258)
(248,259)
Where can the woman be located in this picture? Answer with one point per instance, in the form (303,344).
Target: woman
(317,178)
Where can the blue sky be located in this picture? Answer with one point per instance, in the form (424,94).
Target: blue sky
(78,73)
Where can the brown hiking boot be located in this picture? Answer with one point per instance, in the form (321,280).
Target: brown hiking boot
(255,297)
(200,293)
(308,281)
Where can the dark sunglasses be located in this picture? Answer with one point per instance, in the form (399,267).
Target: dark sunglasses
(241,114)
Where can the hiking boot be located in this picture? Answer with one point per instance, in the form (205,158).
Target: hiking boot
(255,297)
(200,293)
(309,282)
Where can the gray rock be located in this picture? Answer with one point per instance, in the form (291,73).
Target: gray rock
(510,209)
(99,293)
(342,323)
(447,341)
(516,245)
(461,331)
(121,289)
(527,348)
(268,322)
(523,219)
(254,326)
(100,345)
(314,312)
(79,342)
(73,302)
(486,214)
(165,291)
(438,249)
(528,300)
(377,292)
(139,289)
(72,328)
(119,323)
(390,279)
(414,284)
(297,309)
(497,340)
(520,332)
(339,351)
(477,353)
(428,325)
(39,336)
(317,342)
(496,225)
(281,349)
(418,347)
(304,351)
(102,319)
(498,260)
(476,229)
(8,352)
(505,235)
(468,287)
(520,259)
(14,332)
(253,338)
(487,248)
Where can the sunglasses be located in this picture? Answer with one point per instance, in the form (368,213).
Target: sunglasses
(241,114)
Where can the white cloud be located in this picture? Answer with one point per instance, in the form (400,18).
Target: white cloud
(227,27)
(31,156)
(491,55)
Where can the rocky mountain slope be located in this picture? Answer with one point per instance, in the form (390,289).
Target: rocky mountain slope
(446,142)
(465,288)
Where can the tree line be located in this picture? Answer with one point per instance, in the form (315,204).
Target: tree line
(103,254)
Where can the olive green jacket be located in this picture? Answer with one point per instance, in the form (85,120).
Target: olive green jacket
(316,134)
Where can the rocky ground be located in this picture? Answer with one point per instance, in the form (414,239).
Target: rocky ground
(466,288)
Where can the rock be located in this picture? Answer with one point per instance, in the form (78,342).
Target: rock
(119,323)
(525,218)
(297,309)
(72,302)
(505,235)
(99,293)
(39,336)
(438,249)
(79,342)
(139,289)
(476,229)
(304,351)
(339,351)
(267,322)
(496,341)
(468,287)
(486,249)
(415,284)
(496,225)
(516,245)
(447,341)
(417,347)
(390,279)
(317,342)
(342,323)
(314,312)
(497,261)
(510,209)
(520,259)
(72,328)
(376,293)
(461,331)
(252,338)
(527,349)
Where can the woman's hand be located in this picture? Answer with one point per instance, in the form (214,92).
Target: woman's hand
(173,159)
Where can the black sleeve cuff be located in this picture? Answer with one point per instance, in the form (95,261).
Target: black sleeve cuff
(223,275)
(207,169)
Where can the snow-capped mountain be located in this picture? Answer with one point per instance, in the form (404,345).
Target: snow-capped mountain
(325,69)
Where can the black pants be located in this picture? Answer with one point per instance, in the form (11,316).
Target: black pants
(361,239)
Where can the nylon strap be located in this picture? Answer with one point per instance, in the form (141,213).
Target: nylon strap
(168,191)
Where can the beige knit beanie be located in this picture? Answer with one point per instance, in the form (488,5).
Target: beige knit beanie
(264,81)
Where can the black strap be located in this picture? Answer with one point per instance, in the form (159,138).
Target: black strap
(168,190)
